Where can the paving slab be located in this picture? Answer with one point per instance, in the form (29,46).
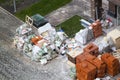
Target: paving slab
(76,7)
(62,14)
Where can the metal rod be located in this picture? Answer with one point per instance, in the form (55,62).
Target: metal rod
(96,13)
(14,3)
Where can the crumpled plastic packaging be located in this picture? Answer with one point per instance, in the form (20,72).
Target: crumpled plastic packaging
(35,55)
(43,61)
(43,53)
(72,72)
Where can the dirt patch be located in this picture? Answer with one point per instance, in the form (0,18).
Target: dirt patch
(20,4)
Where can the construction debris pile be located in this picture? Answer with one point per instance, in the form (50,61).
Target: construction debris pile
(91,32)
(42,47)
(90,66)
(43,43)
(99,58)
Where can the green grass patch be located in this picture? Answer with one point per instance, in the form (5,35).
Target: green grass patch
(2,1)
(42,7)
(71,26)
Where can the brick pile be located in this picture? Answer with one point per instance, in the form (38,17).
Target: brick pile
(112,64)
(100,65)
(118,79)
(91,49)
(107,64)
(97,29)
(85,71)
(80,58)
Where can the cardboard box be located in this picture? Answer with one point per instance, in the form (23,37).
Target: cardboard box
(73,54)
(70,64)
(115,35)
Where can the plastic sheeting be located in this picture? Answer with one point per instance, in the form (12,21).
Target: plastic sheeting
(105,44)
(84,35)
(44,28)
(23,29)
(35,53)
(73,72)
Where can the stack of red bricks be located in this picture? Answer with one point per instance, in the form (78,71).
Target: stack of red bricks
(85,71)
(112,64)
(98,64)
(80,58)
(107,64)
(91,49)
(97,28)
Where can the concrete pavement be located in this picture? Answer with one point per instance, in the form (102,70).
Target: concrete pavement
(15,66)
(75,7)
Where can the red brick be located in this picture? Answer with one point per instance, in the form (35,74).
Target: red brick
(97,29)
(87,71)
(100,65)
(91,49)
(80,58)
(112,64)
